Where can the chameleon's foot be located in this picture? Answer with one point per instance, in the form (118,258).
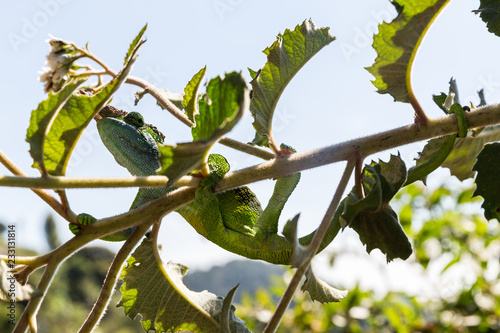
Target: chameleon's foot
(83,220)
(86,219)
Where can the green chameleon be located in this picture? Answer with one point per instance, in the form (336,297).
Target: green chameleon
(234,219)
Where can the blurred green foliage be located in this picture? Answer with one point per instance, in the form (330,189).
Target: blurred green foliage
(448,231)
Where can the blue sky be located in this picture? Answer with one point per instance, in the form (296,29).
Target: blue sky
(330,100)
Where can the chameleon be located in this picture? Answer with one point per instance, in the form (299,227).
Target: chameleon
(233,220)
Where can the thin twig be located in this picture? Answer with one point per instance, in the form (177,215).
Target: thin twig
(252,150)
(28,316)
(112,276)
(64,199)
(160,97)
(311,249)
(62,182)
(65,212)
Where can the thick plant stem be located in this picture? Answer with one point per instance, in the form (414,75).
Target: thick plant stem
(312,248)
(288,164)
(366,146)
(112,276)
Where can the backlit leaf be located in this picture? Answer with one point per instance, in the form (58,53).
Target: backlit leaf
(489,11)
(285,57)
(222,107)
(397,42)
(156,292)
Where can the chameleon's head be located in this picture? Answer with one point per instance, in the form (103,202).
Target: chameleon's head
(132,148)
(135,119)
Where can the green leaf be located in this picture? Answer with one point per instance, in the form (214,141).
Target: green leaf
(461,159)
(439,100)
(219,111)
(222,108)
(285,57)
(190,100)
(134,44)
(57,124)
(320,291)
(178,160)
(371,216)
(489,10)
(317,289)
(156,293)
(487,180)
(227,311)
(397,43)
(41,120)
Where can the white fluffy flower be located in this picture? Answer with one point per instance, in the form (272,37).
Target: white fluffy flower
(60,61)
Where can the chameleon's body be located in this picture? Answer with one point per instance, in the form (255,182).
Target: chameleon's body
(234,219)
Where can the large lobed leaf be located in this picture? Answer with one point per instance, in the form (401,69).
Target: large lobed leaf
(285,57)
(397,42)
(58,122)
(489,11)
(487,180)
(156,293)
(219,111)
(41,118)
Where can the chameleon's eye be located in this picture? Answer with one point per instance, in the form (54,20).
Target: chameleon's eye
(135,119)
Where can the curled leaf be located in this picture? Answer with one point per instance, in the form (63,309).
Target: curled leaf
(371,216)
(397,42)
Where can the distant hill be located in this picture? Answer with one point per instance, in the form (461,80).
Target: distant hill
(250,274)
